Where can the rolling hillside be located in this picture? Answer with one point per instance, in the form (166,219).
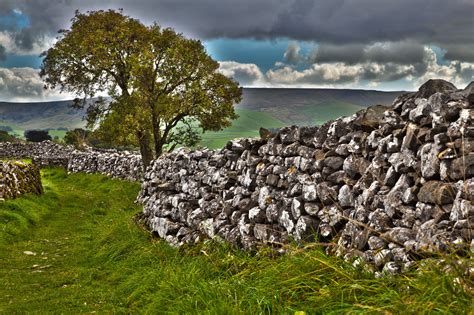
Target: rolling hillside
(268,108)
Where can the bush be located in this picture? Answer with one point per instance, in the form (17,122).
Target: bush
(6,137)
(37,135)
(78,137)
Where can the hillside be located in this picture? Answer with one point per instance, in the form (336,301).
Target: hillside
(310,106)
(259,108)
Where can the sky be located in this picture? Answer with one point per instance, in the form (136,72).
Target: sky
(363,44)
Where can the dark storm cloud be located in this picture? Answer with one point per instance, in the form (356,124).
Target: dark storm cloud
(441,22)
(405,52)
(463,52)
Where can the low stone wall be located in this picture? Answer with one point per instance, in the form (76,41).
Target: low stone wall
(383,185)
(46,153)
(118,164)
(17,178)
(122,165)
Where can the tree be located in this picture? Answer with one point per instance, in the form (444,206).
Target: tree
(163,85)
(37,135)
(6,137)
(77,137)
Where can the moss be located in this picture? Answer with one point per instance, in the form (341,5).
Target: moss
(19,178)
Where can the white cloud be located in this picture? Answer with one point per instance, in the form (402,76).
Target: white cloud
(7,41)
(459,73)
(245,73)
(24,85)
(338,74)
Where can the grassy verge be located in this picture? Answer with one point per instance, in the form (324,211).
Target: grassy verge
(77,249)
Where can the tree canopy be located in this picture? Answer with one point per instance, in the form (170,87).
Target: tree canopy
(37,135)
(163,87)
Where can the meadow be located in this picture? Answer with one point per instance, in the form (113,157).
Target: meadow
(78,248)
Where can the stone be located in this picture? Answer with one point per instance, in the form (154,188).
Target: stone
(272,180)
(354,166)
(309,192)
(311,208)
(260,232)
(289,134)
(286,221)
(429,161)
(326,194)
(306,228)
(433,86)
(410,141)
(257,215)
(376,243)
(334,162)
(345,196)
(436,192)
(371,118)
(296,207)
(394,198)
(398,235)
(164,226)
(264,198)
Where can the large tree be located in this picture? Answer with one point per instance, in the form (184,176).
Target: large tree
(162,85)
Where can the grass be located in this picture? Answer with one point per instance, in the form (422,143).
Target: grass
(92,257)
(329,110)
(312,114)
(247,125)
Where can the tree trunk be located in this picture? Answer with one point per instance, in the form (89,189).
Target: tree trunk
(157,137)
(145,149)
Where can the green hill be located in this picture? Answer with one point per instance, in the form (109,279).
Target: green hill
(269,108)
(247,125)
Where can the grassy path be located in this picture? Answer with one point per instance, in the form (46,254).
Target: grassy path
(77,249)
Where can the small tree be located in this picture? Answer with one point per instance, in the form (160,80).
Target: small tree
(163,86)
(37,135)
(6,137)
(77,137)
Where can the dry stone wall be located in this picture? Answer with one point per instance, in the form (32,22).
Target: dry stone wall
(118,164)
(46,153)
(122,165)
(384,185)
(17,178)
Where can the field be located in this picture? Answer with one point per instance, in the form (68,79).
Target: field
(267,107)
(247,125)
(78,249)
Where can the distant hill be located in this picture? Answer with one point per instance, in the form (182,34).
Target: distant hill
(42,115)
(260,107)
(312,106)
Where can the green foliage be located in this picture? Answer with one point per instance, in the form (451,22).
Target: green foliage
(6,137)
(156,77)
(78,137)
(92,257)
(37,135)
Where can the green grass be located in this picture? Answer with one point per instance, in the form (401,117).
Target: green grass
(314,114)
(329,110)
(92,257)
(247,125)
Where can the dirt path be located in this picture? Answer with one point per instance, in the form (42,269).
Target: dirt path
(54,260)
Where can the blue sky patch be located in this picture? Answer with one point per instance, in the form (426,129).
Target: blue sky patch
(263,53)
(20,61)
(16,20)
